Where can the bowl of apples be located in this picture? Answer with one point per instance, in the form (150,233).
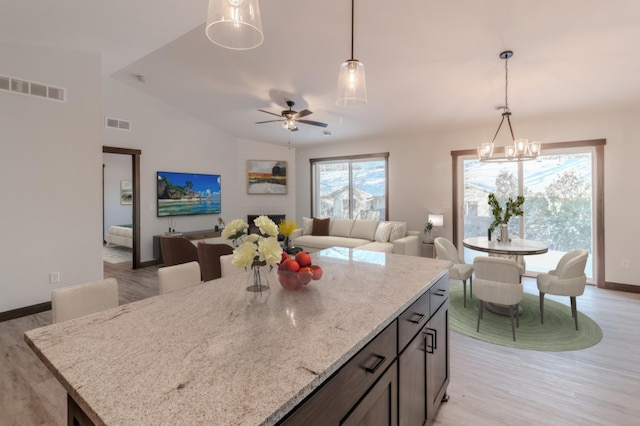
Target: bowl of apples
(296,272)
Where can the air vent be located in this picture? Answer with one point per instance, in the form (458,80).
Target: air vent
(31,88)
(114,123)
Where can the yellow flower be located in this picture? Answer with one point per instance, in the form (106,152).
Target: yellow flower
(243,255)
(287,227)
(269,250)
(266,225)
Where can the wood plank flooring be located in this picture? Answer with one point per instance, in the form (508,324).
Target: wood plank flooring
(490,385)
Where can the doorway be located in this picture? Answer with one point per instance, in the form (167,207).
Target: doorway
(134,198)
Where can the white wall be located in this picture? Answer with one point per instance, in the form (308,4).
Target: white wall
(173,141)
(117,167)
(51,213)
(420,174)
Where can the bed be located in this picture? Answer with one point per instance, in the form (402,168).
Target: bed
(121,235)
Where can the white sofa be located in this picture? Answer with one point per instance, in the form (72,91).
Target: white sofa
(120,235)
(390,237)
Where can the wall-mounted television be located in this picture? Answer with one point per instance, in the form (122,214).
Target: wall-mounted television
(181,194)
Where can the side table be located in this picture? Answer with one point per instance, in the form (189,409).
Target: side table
(428,250)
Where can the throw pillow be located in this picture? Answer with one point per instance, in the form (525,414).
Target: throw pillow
(383,231)
(307,225)
(364,229)
(320,227)
(399,230)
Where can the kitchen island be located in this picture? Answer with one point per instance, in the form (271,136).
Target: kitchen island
(201,356)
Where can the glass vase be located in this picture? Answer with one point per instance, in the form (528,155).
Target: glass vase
(504,233)
(258,286)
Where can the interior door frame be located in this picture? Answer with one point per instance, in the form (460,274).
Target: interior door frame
(135,174)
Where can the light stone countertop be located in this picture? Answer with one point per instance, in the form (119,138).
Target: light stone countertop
(202,356)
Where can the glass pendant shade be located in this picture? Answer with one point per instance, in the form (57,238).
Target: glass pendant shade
(352,86)
(235,24)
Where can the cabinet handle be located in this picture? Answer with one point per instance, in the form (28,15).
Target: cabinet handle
(441,292)
(434,340)
(381,360)
(420,316)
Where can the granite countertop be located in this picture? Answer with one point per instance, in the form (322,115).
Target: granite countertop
(202,356)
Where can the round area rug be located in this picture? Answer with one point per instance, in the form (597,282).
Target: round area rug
(558,333)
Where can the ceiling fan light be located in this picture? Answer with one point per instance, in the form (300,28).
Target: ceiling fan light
(352,86)
(235,24)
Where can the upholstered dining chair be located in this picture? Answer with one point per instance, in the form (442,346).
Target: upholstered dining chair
(460,270)
(209,259)
(83,299)
(498,281)
(175,277)
(177,250)
(227,268)
(568,279)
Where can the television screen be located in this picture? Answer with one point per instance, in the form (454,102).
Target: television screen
(182,194)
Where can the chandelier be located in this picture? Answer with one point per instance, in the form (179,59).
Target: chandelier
(522,149)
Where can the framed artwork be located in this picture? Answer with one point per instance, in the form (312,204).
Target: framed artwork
(126,192)
(266,177)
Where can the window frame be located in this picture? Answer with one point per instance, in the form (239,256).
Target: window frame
(350,158)
(598,196)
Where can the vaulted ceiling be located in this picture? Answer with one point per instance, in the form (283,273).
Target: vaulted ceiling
(430,64)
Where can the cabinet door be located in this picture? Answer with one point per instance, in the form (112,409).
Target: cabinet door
(379,407)
(437,359)
(412,381)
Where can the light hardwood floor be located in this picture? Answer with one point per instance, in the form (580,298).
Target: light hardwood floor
(490,384)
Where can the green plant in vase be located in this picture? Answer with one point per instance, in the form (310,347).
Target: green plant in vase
(502,216)
(428,226)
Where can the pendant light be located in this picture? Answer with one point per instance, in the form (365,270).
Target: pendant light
(352,87)
(522,149)
(235,24)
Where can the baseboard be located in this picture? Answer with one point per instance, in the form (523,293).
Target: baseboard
(621,287)
(23,312)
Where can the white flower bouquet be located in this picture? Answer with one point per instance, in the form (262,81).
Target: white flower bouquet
(263,247)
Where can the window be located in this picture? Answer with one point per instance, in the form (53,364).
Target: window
(562,188)
(354,187)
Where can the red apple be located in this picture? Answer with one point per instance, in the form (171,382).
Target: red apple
(305,274)
(303,258)
(283,278)
(285,256)
(292,281)
(289,265)
(316,271)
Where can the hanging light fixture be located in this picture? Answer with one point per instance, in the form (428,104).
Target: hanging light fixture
(522,149)
(352,87)
(234,24)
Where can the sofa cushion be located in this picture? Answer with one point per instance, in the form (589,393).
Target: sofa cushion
(377,246)
(314,242)
(341,227)
(320,227)
(383,231)
(365,229)
(307,225)
(399,230)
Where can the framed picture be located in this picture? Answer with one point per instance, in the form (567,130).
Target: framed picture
(266,177)
(126,193)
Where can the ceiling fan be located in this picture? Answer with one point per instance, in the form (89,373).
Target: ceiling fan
(289,118)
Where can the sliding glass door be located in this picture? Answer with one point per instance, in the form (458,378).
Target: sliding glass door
(559,191)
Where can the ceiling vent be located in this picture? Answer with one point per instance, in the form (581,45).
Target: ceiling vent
(31,88)
(114,123)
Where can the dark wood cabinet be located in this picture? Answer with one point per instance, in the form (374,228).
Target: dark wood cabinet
(379,407)
(423,364)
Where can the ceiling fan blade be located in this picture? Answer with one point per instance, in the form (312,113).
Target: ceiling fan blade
(295,129)
(313,123)
(303,113)
(268,112)
(268,121)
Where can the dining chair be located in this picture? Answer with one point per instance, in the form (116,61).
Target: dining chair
(460,270)
(209,259)
(568,279)
(177,250)
(175,277)
(83,299)
(498,281)
(227,268)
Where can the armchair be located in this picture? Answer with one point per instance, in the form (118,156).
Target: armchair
(460,270)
